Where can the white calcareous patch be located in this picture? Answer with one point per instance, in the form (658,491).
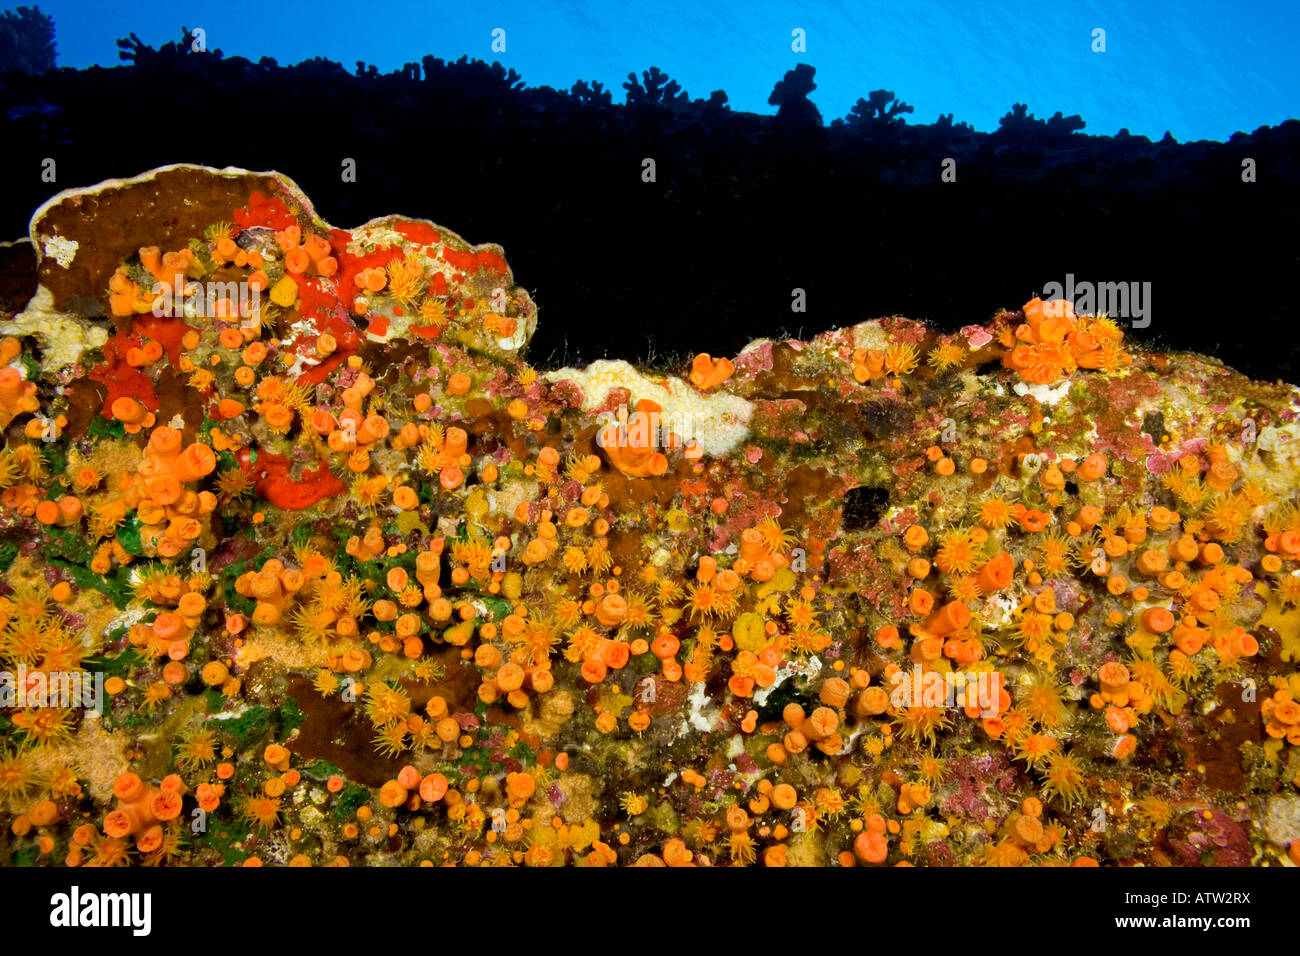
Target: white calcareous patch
(516,341)
(1044,394)
(998,611)
(696,718)
(370,237)
(809,669)
(871,336)
(63,337)
(397,328)
(59,248)
(1273,474)
(718,421)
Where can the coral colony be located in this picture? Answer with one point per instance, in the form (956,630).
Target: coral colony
(358,585)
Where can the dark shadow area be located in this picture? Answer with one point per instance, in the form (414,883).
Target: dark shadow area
(744,208)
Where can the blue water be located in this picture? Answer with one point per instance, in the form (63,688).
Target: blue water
(1201,70)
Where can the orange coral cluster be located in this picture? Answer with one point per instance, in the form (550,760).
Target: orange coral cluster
(1053,342)
(173,516)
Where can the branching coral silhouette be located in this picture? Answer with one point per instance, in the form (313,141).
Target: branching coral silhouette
(1019,123)
(593,94)
(26,41)
(655,88)
(175,52)
(879,110)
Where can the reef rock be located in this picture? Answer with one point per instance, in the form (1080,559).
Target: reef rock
(290,495)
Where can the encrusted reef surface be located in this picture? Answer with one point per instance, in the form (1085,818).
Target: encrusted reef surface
(361,586)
